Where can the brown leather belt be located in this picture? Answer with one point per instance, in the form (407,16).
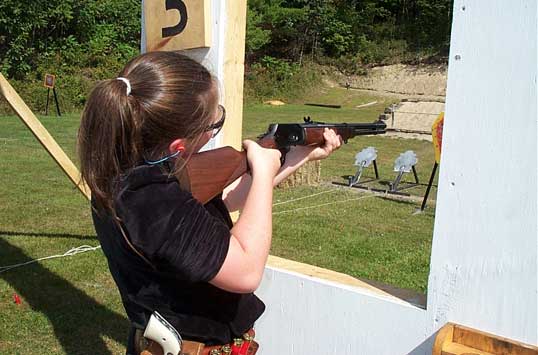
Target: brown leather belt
(244,346)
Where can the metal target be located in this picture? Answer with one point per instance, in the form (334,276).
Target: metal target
(363,159)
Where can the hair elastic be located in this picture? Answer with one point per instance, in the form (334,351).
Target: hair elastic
(127,82)
(163,159)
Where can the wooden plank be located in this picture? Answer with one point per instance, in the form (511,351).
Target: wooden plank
(185,25)
(42,135)
(408,296)
(491,343)
(454,339)
(234,59)
(444,337)
(458,349)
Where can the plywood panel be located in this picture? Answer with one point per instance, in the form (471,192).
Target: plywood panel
(308,315)
(484,254)
(177,24)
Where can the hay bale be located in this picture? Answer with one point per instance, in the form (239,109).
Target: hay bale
(308,174)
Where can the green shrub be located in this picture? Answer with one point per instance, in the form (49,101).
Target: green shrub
(79,42)
(274,78)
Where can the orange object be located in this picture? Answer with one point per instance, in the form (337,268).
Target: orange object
(437,136)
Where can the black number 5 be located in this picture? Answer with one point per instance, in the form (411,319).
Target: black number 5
(178,5)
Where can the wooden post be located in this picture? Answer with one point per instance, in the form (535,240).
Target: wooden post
(234,69)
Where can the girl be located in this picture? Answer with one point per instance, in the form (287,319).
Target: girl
(165,250)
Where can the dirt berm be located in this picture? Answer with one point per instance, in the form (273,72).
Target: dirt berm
(421,89)
(427,82)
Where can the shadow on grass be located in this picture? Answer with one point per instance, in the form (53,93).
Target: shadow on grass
(79,322)
(47,235)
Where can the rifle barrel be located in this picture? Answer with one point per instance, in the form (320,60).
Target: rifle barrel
(376,127)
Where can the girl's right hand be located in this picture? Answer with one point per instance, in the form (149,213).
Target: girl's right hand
(263,161)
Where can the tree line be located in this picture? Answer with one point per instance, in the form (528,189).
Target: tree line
(368,31)
(86,40)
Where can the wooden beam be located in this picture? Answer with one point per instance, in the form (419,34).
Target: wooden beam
(454,339)
(42,135)
(443,338)
(411,297)
(234,69)
(458,349)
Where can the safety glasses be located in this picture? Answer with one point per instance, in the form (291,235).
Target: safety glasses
(217,126)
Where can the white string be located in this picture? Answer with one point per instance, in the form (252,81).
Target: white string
(70,252)
(127,82)
(323,204)
(302,198)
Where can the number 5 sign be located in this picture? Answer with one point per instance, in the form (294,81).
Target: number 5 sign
(172,25)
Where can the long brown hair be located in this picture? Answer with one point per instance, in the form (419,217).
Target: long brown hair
(172,96)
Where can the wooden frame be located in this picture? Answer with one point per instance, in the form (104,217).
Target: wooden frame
(49,81)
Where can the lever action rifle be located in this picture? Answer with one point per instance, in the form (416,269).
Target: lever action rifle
(206,174)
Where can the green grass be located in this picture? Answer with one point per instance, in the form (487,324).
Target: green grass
(71,305)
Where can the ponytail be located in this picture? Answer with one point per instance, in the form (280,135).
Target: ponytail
(107,139)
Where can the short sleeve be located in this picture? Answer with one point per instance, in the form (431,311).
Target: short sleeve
(175,231)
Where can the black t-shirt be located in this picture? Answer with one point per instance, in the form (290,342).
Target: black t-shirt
(186,243)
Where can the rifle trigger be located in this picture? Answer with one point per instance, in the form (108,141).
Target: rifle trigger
(283,152)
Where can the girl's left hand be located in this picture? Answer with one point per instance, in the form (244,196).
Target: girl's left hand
(332,143)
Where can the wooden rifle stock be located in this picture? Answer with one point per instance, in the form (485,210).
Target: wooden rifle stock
(206,174)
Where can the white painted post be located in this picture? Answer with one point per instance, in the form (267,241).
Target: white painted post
(484,262)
